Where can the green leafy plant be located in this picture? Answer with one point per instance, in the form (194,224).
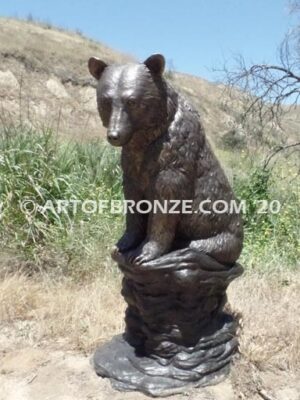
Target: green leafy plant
(35,168)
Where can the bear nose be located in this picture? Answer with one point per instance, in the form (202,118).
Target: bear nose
(113,135)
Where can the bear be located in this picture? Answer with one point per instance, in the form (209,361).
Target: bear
(165,156)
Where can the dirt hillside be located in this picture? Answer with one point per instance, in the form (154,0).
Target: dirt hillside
(44,80)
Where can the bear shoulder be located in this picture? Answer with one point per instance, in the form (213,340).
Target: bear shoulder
(183,141)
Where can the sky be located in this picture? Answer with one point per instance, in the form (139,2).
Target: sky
(195,36)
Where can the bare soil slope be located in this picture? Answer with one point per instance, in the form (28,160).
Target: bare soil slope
(45,373)
(44,80)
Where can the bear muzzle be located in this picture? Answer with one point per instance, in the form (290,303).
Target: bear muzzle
(117,138)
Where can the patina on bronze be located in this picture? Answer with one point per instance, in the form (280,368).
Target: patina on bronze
(176,266)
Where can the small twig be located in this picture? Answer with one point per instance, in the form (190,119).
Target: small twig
(264,395)
(20,100)
(277,150)
(58,119)
(31,379)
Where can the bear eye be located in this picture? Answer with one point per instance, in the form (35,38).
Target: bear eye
(131,102)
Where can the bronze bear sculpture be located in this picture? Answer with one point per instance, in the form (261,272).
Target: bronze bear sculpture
(177,265)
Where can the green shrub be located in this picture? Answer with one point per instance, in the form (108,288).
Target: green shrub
(272,211)
(233,139)
(36,168)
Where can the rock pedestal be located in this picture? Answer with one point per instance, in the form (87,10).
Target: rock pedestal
(177,334)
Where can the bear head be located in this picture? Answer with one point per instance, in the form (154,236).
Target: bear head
(132,98)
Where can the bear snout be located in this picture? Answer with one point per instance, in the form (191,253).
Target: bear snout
(113,136)
(117,137)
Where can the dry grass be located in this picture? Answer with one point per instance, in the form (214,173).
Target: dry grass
(51,86)
(270,320)
(83,315)
(80,315)
(66,55)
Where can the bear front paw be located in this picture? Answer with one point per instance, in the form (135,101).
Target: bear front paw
(149,251)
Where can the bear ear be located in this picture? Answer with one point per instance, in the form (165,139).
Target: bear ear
(156,64)
(96,67)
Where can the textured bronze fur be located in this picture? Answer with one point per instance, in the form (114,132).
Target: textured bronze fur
(176,266)
(165,156)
